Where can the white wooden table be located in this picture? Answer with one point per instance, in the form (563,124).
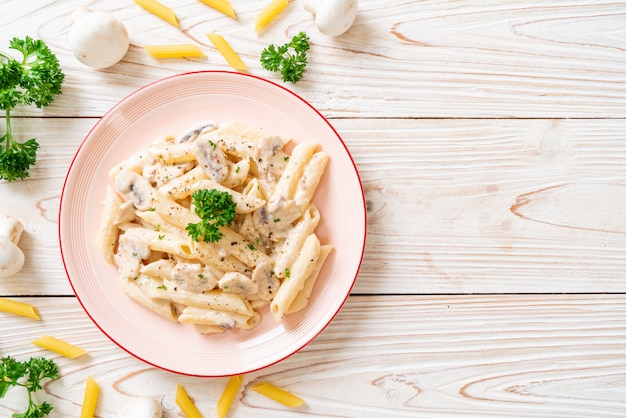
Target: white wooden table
(490,137)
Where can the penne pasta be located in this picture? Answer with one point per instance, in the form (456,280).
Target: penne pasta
(19,308)
(295,277)
(108,231)
(159,10)
(59,346)
(223,6)
(227,52)
(90,398)
(277,394)
(268,14)
(185,403)
(212,260)
(227,397)
(174,51)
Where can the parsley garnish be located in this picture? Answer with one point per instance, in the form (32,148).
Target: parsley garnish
(288,59)
(215,208)
(29,375)
(34,79)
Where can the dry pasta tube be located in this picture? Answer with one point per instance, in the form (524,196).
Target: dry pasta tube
(90,399)
(277,394)
(174,51)
(223,405)
(159,10)
(223,6)
(19,308)
(227,52)
(185,404)
(59,346)
(269,13)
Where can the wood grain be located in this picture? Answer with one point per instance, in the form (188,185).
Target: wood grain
(400,59)
(495,206)
(426,356)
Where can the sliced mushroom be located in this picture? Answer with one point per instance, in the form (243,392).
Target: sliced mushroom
(130,253)
(266,281)
(196,131)
(193,277)
(212,160)
(135,188)
(238,283)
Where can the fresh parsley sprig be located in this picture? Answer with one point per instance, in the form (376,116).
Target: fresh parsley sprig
(34,79)
(215,208)
(28,374)
(289,59)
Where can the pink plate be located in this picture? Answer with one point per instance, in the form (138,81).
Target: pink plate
(169,106)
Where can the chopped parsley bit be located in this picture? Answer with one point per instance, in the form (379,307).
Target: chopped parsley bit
(272,273)
(162,287)
(237,169)
(213,144)
(135,278)
(276,219)
(287,158)
(157,227)
(153,209)
(201,276)
(161,237)
(287,273)
(251,247)
(134,254)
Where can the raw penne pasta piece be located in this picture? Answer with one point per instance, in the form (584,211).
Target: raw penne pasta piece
(223,404)
(186,404)
(59,346)
(277,394)
(223,6)
(233,59)
(90,399)
(174,51)
(106,237)
(159,10)
(19,308)
(269,13)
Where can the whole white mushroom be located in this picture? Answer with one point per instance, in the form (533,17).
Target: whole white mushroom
(141,407)
(11,257)
(333,17)
(97,39)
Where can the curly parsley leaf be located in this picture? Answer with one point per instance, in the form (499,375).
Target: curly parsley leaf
(34,79)
(215,208)
(289,59)
(28,374)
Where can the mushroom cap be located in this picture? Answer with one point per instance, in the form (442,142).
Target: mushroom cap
(335,17)
(11,258)
(141,407)
(98,39)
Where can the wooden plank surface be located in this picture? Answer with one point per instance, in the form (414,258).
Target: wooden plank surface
(494,356)
(495,206)
(490,141)
(401,59)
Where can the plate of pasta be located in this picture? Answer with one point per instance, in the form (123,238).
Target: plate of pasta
(212,223)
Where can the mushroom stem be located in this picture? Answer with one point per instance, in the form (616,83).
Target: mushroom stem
(11,228)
